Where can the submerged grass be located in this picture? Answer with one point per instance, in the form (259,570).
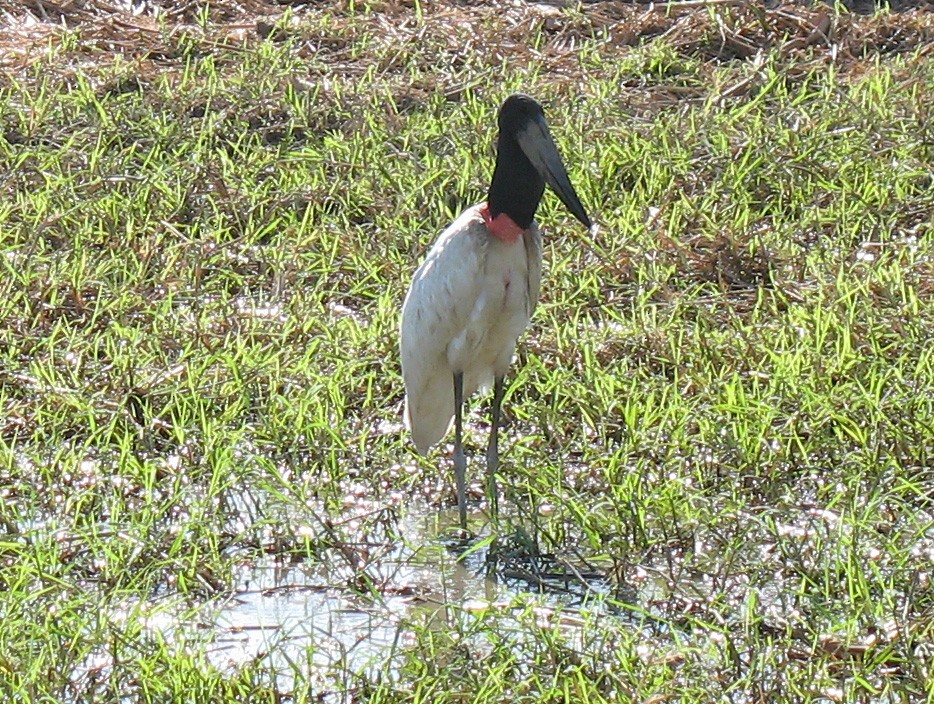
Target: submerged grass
(724,406)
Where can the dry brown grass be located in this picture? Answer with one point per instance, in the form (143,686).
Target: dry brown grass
(708,30)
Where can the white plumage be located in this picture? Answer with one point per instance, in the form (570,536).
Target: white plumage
(468,303)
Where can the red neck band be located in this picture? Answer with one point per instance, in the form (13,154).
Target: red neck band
(502,227)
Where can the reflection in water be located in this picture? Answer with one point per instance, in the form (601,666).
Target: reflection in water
(293,618)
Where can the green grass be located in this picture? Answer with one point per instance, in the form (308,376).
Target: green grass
(725,404)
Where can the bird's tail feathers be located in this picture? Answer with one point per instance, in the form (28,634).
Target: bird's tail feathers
(429,418)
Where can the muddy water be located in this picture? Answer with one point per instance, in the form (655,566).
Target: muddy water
(290,618)
(303,630)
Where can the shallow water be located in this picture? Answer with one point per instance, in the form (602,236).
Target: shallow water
(304,625)
(292,618)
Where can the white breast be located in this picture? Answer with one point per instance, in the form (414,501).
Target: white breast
(468,303)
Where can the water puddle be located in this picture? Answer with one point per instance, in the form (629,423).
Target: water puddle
(311,622)
(281,616)
(295,621)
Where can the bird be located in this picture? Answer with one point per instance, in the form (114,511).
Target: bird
(475,292)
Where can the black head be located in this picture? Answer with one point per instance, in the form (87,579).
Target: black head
(526,160)
(517,111)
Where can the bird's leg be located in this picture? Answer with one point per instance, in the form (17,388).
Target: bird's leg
(460,461)
(492,452)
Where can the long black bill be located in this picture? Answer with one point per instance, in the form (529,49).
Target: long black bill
(536,143)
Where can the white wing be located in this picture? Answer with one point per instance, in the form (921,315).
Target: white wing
(533,251)
(468,303)
(437,309)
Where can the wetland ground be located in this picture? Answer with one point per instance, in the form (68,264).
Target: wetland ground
(716,470)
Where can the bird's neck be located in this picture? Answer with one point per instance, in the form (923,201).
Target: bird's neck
(516,188)
(501,226)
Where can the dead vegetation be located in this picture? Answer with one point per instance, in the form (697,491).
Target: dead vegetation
(707,30)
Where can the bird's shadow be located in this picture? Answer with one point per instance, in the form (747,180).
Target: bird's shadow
(511,556)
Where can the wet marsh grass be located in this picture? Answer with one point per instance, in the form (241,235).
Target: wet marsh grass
(724,405)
